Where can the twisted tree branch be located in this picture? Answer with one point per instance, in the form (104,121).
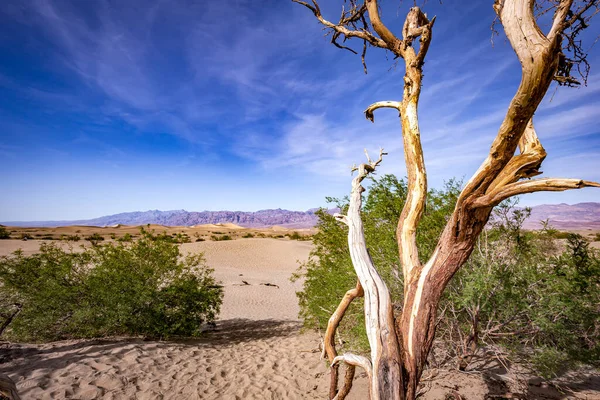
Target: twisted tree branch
(380,104)
(531,186)
(329,342)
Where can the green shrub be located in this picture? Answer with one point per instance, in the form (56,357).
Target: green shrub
(540,305)
(183,238)
(177,237)
(140,288)
(126,238)
(95,238)
(248,235)
(295,236)
(560,235)
(220,238)
(4,234)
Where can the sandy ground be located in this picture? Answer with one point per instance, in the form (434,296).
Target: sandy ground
(257,351)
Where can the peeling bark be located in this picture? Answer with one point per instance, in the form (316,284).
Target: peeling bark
(384,368)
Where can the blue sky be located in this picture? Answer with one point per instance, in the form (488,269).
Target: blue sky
(113,106)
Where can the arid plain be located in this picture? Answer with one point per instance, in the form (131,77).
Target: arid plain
(258,349)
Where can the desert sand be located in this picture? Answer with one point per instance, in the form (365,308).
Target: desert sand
(257,350)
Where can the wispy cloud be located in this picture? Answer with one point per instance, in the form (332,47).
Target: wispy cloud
(208,91)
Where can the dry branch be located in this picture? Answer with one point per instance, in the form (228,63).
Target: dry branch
(531,186)
(329,349)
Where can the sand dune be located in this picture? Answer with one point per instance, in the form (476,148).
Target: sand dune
(257,350)
(243,359)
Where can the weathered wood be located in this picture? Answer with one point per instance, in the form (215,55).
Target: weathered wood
(329,349)
(384,368)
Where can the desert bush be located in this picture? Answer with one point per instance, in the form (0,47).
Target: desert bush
(126,238)
(95,238)
(4,234)
(296,236)
(517,292)
(248,235)
(220,238)
(181,238)
(140,288)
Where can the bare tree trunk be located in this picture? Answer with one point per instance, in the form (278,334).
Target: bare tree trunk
(384,369)
(399,347)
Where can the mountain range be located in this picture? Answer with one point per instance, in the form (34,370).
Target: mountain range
(564,216)
(561,216)
(257,219)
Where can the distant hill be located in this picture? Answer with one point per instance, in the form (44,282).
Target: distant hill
(564,216)
(262,218)
(561,216)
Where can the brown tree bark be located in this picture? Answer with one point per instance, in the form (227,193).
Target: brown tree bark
(400,346)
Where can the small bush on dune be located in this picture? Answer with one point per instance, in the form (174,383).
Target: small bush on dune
(295,236)
(141,288)
(95,238)
(220,238)
(70,238)
(4,234)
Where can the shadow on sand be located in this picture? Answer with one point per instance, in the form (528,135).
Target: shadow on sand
(538,388)
(27,357)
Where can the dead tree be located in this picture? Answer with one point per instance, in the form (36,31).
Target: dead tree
(400,343)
